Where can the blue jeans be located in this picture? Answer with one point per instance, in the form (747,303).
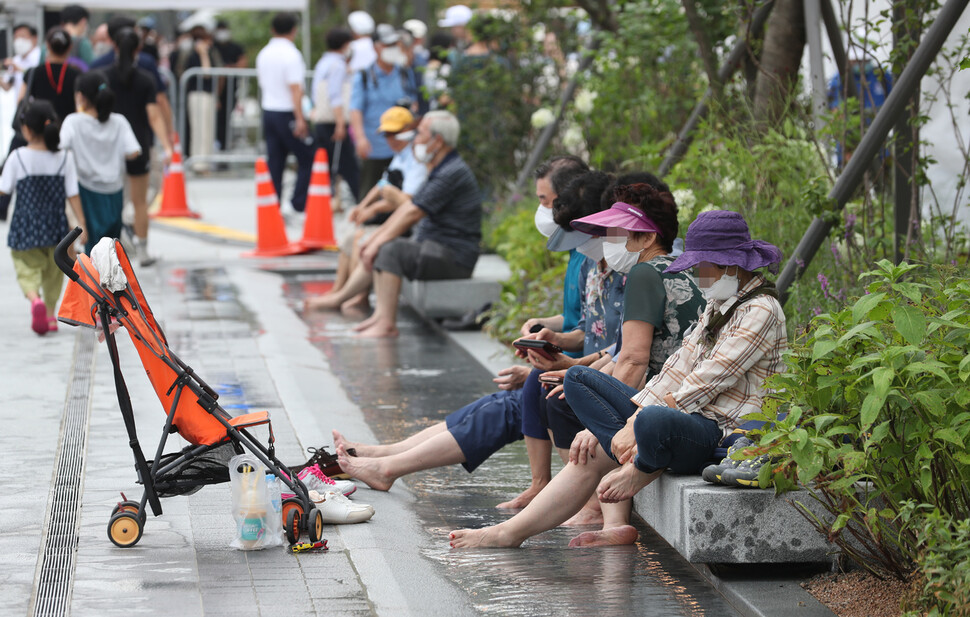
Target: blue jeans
(280,141)
(666,438)
(532,394)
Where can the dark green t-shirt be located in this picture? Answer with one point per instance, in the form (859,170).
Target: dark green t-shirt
(670,302)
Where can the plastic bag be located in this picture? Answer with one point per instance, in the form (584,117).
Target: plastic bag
(255,504)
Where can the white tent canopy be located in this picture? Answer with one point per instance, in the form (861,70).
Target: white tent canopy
(173,5)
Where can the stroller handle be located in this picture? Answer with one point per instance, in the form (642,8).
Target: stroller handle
(62,259)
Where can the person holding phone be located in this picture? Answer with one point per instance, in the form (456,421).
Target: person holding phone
(702,392)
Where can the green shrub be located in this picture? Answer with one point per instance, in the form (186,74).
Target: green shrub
(876,396)
(944,561)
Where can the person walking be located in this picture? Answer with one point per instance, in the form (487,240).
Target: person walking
(331,100)
(135,99)
(101,142)
(280,71)
(43,178)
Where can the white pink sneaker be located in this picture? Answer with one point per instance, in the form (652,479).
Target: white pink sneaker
(316,480)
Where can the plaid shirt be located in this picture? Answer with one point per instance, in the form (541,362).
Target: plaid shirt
(724,381)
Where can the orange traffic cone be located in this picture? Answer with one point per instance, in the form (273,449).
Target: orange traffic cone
(173,189)
(270,230)
(318,227)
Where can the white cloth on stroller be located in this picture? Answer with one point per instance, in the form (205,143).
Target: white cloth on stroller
(104,256)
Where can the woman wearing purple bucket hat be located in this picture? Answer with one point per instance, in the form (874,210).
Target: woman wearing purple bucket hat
(701,394)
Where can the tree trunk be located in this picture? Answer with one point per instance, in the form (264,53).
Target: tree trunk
(780,60)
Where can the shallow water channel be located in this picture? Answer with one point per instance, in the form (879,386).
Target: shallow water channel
(404,385)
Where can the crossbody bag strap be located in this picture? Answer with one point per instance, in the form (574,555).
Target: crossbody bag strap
(720,319)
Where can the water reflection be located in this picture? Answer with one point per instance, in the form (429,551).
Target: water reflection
(404,385)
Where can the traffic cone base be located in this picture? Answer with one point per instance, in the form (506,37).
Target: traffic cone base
(270,230)
(318,227)
(174,203)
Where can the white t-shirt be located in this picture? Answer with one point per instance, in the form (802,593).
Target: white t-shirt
(279,65)
(362,54)
(25,161)
(23,64)
(99,149)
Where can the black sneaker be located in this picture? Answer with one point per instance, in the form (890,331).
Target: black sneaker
(327,462)
(712,473)
(746,474)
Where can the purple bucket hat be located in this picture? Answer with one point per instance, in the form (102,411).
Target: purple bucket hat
(721,237)
(620,215)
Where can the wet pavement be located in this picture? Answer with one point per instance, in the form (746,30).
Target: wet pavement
(238,326)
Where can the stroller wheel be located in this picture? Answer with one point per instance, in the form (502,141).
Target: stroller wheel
(129,506)
(124,529)
(293,517)
(315,525)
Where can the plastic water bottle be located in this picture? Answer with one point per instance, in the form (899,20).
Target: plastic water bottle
(274,493)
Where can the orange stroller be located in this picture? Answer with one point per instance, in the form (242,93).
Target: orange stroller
(192,408)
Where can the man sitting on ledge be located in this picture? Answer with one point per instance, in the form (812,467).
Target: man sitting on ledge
(446,214)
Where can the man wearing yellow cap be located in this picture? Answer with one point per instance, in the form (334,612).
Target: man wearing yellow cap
(402,179)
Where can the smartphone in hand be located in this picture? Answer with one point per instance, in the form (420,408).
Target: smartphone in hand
(543,348)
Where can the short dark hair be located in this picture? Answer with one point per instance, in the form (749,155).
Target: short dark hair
(439,44)
(74,13)
(338,37)
(658,204)
(559,162)
(58,41)
(31,29)
(633,177)
(283,23)
(117,24)
(581,197)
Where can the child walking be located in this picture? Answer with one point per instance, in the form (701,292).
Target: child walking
(101,142)
(43,178)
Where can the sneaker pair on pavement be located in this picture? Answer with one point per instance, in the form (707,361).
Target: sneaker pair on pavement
(325,461)
(336,509)
(736,472)
(315,480)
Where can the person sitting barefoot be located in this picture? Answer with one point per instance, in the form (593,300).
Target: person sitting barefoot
(700,395)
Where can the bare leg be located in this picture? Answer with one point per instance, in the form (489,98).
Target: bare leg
(380,473)
(139,198)
(377,451)
(343,272)
(356,304)
(388,287)
(616,528)
(591,514)
(562,497)
(539,451)
(359,281)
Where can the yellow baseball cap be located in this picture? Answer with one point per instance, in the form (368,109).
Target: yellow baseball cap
(395,120)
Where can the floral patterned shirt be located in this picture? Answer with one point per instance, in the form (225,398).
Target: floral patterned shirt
(602,292)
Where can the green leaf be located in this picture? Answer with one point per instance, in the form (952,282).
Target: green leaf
(864,305)
(949,435)
(882,378)
(870,409)
(931,401)
(935,368)
(822,348)
(910,323)
(867,327)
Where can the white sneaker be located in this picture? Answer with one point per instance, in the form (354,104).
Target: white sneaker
(338,510)
(316,480)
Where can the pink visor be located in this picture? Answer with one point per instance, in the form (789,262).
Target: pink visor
(620,215)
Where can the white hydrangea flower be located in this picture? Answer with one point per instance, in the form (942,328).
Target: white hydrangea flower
(584,101)
(728,186)
(573,138)
(542,118)
(685,199)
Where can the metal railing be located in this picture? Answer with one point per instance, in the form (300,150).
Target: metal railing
(243,119)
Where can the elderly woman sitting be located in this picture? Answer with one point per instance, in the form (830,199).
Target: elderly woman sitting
(700,395)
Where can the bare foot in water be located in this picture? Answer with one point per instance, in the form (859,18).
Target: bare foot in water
(586,516)
(367,323)
(326,302)
(378,330)
(623,483)
(370,471)
(523,499)
(488,537)
(612,536)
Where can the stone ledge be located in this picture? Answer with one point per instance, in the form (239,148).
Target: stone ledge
(454,298)
(717,524)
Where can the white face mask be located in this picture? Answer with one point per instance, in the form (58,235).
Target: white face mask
(222,36)
(421,153)
(21,46)
(406,136)
(618,258)
(185,44)
(544,222)
(592,248)
(393,56)
(723,288)
(101,49)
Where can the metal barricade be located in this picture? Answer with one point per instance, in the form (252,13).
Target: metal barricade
(243,119)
